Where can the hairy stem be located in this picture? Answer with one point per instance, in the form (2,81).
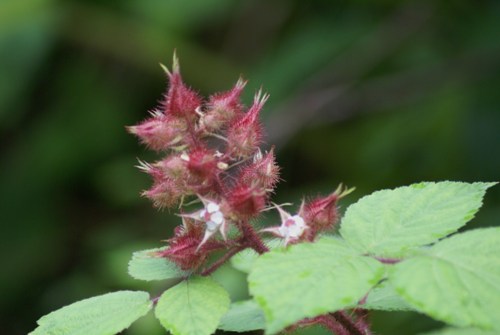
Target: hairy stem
(253,239)
(363,321)
(353,327)
(330,323)
(218,263)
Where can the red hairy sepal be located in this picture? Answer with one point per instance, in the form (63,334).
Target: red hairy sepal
(223,108)
(263,171)
(322,213)
(160,132)
(164,193)
(184,247)
(246,201)
(245,135)
(203,166)
(201,162)
(180,100)
(169,181)
(173,167)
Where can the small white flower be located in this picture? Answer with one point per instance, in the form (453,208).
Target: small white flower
(213,218)
(291,228)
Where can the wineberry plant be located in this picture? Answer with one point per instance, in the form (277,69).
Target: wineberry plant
(392,250)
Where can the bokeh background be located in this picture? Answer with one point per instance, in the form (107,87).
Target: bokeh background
(375,94)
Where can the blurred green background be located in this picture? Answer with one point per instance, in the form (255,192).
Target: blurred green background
(375,94)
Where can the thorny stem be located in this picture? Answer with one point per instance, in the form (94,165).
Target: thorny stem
(330,323)
(363,321)
(353,327)
(254,241)
(217,264)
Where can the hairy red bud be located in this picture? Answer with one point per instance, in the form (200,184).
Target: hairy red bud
(180,100)
(263,172)
(173,167)
(247,201)
(164,193)
(202,163)
(322,213)
(245,134)
(160,132)
(222,108)
(184,247)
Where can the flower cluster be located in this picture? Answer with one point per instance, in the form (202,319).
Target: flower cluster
(213,156)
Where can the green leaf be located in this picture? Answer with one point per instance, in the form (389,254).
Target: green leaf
(384,298)
(102,315)
(461,331)
(193,307)
(145,265)
(244,260)
(456,281)
(243,316)
(310,279)
(388,223)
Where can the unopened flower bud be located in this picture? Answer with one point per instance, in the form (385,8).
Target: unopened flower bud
(223,108)
(173,167)
(184,248)
(245,134)
(180,101)
(322,213)
(202,164)
(160,132)
(164,193)
(263,172)
(247,201)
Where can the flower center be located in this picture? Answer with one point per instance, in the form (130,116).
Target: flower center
(293,227)
(212,216)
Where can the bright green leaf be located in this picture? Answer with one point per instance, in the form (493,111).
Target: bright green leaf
(102,315)
(243,316)
(244,260)
(456,281)
(310,279)
(461,331)
(145,265)
(193,307)
(384,298)
(388,223)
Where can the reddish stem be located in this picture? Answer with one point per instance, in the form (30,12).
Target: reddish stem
(250,236)
(387,260)
(330,323)
(218,263)
(363,320)
(353,327)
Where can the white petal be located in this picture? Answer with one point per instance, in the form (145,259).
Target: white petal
(212,207)
(212,226)
(217,217)
(299,221)
(295,231)
(283,231)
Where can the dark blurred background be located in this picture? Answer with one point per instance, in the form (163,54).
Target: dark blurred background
(375,94)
